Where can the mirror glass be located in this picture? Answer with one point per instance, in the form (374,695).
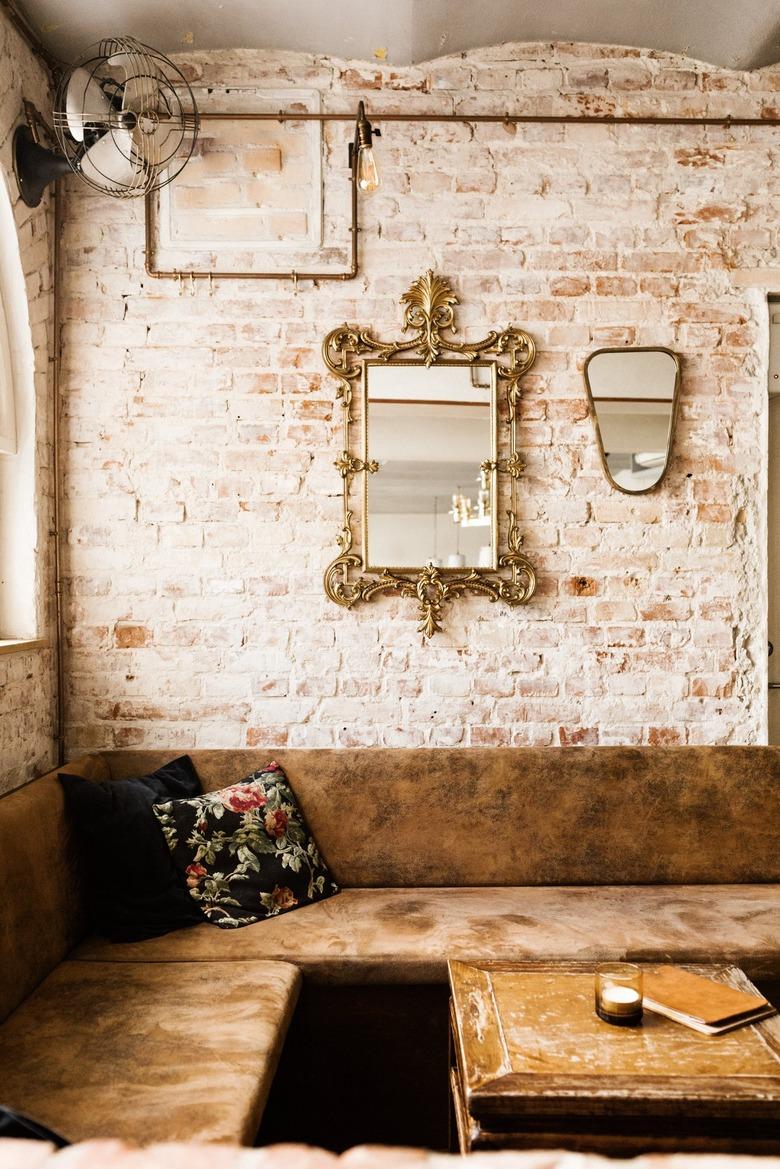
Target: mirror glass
(633,396)
(430,430)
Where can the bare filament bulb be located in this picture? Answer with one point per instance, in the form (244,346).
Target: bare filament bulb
(367,174)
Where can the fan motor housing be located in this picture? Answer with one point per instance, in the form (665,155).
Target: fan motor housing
(35,166)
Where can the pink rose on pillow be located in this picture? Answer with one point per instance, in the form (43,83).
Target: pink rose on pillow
(283,898)
(243,797)
(276,823)
(195,874)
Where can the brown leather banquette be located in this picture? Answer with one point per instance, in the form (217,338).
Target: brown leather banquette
(574,853)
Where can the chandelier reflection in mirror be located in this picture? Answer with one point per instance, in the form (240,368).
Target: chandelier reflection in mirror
(469,514)
(437,514)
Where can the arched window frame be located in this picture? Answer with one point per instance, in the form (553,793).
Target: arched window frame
(7,394)
(20,570)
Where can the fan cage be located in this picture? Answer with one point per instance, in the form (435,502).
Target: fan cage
(129,74)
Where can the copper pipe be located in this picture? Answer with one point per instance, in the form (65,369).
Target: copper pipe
(349,274)
(56,470)
(494,119)
(498,119)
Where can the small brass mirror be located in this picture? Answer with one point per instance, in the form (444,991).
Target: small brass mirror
(633,397)
(438,466)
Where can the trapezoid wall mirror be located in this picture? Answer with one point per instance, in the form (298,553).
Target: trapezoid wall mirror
(632,394)
(429,462)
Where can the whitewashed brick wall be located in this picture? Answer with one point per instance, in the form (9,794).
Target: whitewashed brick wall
(27,680)
(202,503)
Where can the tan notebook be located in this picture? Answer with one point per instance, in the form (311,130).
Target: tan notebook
(706,1006)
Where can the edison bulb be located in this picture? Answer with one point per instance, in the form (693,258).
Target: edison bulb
(367,176)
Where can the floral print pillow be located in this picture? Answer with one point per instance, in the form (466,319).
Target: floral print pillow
(245,852)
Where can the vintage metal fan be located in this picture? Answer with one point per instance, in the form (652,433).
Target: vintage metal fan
(125,120)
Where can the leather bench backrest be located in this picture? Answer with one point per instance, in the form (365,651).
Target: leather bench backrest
(526,815)
(41,916)
(417,817)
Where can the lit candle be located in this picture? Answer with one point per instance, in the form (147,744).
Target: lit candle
(620,1000)
(619,993)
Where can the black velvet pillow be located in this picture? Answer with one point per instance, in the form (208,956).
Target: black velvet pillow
(246,852)
(132,888)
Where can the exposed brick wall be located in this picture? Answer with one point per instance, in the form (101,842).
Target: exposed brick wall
(202,501)
(27,680)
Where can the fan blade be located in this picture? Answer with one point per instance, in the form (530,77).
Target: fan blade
(142,78)
(119,61)
(85,104)
(112,163)
(140,94)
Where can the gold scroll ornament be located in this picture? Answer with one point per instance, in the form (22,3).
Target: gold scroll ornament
(429,314)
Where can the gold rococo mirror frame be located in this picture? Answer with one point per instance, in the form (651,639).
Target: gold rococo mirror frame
(429,313)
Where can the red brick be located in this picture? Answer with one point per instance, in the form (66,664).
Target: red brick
(131,636)
(578,736)
(665,736)
(570,286)
(582,586)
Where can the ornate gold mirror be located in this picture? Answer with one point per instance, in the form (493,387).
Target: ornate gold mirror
(633,401)
(435,456)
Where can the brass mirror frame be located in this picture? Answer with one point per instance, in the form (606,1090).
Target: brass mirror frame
(675,401)
(429,313)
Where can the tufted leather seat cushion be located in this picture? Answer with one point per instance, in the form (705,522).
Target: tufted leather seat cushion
(407,935)
(164,1051)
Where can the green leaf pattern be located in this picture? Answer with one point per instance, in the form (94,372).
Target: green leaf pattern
(245,852)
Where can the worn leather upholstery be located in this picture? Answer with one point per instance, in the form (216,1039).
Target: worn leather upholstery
(149,1052)
(408,819)
(525,816)
(571,853)
(407,935)
(41,916)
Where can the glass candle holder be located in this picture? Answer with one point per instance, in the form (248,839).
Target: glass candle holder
(619,993)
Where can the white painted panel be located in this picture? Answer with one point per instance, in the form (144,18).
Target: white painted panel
(251,197)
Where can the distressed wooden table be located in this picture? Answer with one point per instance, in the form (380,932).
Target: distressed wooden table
(534,1067)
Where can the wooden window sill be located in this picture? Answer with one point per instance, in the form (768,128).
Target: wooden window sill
(14,645)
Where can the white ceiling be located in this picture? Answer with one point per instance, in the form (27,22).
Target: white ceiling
(739,34)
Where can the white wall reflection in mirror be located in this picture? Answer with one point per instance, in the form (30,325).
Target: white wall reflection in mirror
(430,429)
(633,397)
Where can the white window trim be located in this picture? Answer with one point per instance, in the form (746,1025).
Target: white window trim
(20,645)
(7,396)
(20,600)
